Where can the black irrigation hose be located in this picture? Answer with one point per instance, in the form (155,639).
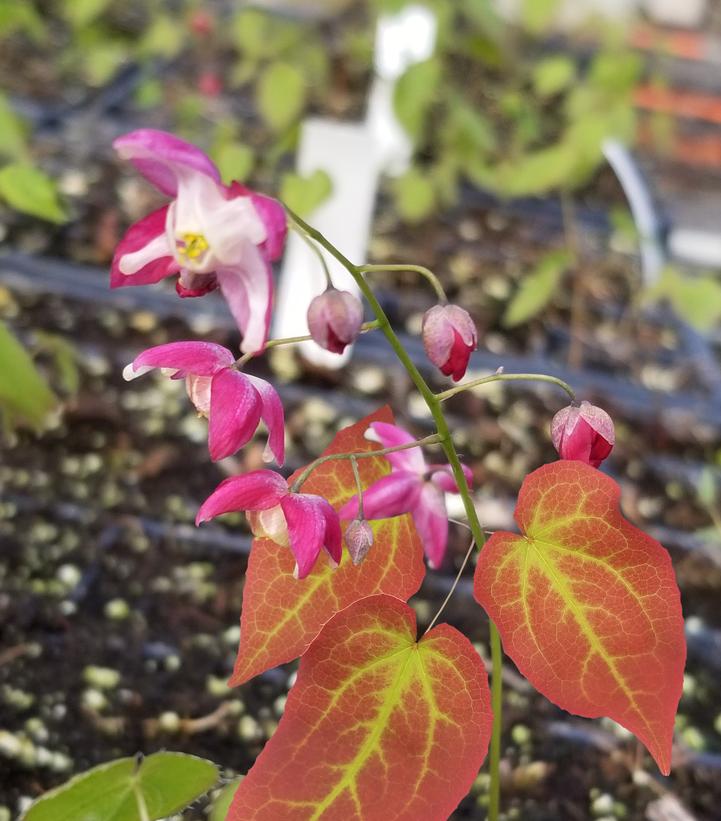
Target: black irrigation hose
(33,274)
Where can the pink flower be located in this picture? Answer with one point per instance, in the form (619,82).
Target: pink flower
(412,487)
(302,521)
(449,337)
(233,402)
(583,433)
(212,235)
(335,319)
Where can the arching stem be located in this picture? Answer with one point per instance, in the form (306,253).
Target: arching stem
(446,442)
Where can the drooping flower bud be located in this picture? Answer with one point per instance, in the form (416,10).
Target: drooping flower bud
(583,433)
(358,539)
(334,319)
(449,337)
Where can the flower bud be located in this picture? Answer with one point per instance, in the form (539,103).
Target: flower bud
(358,539)
(583,433)
(335,319)
(449,337)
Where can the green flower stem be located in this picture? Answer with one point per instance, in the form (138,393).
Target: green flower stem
(446,441)
(506,377)
(494,792)
(303,234)
(418,269)
(358,485)
(294,340)
(433,439)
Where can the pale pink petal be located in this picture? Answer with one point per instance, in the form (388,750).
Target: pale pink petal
(235,409)
(273,215)
(306,529)
(272,415)
(333,535)
(257,490)
(198,358)
(143,255)
(203,208)
(431,521)
(442,475)
(276,225)
(390,436)
(392,495)
(248,290)
(163,158)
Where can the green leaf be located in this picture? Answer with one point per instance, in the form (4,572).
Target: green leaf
(304,194)
(235,161)
(81,12)
(222,803)
(615,72)
(537,15)
(25,397)
(280,95)
(537,172)
(163,37)
(21,16)
(536,289)
(27,189)
(12,132)
(161,784)
(102,58)
(414,94)
(553,75)
(697,299)
(259,35)
(415,195)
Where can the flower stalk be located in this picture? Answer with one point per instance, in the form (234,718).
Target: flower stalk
(507,377)
(418,269)
(433,439)
(446,442)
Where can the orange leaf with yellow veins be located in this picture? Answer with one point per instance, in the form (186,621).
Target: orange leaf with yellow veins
(282,615)
(587,605)
(378,726)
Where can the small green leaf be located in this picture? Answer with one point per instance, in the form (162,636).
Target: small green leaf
(304,194)
(163,37)
(415,195)
(149,93)
(553,75)
(697,299)
(125,790)
(235,161)
(260,35)
(280,95)
(12,133)
(414,94)
(25,398)
(21,16)
(536,172)
(81,12)
(536,289)
(27,189)
(537,15)
(221,805)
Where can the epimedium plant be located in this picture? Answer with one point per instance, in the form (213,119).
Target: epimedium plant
(381,723)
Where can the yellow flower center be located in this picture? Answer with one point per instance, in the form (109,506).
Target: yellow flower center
(191,246)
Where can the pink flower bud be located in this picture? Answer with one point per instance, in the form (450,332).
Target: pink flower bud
(335,319)
(583,433)
(358,539)
(449,337)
